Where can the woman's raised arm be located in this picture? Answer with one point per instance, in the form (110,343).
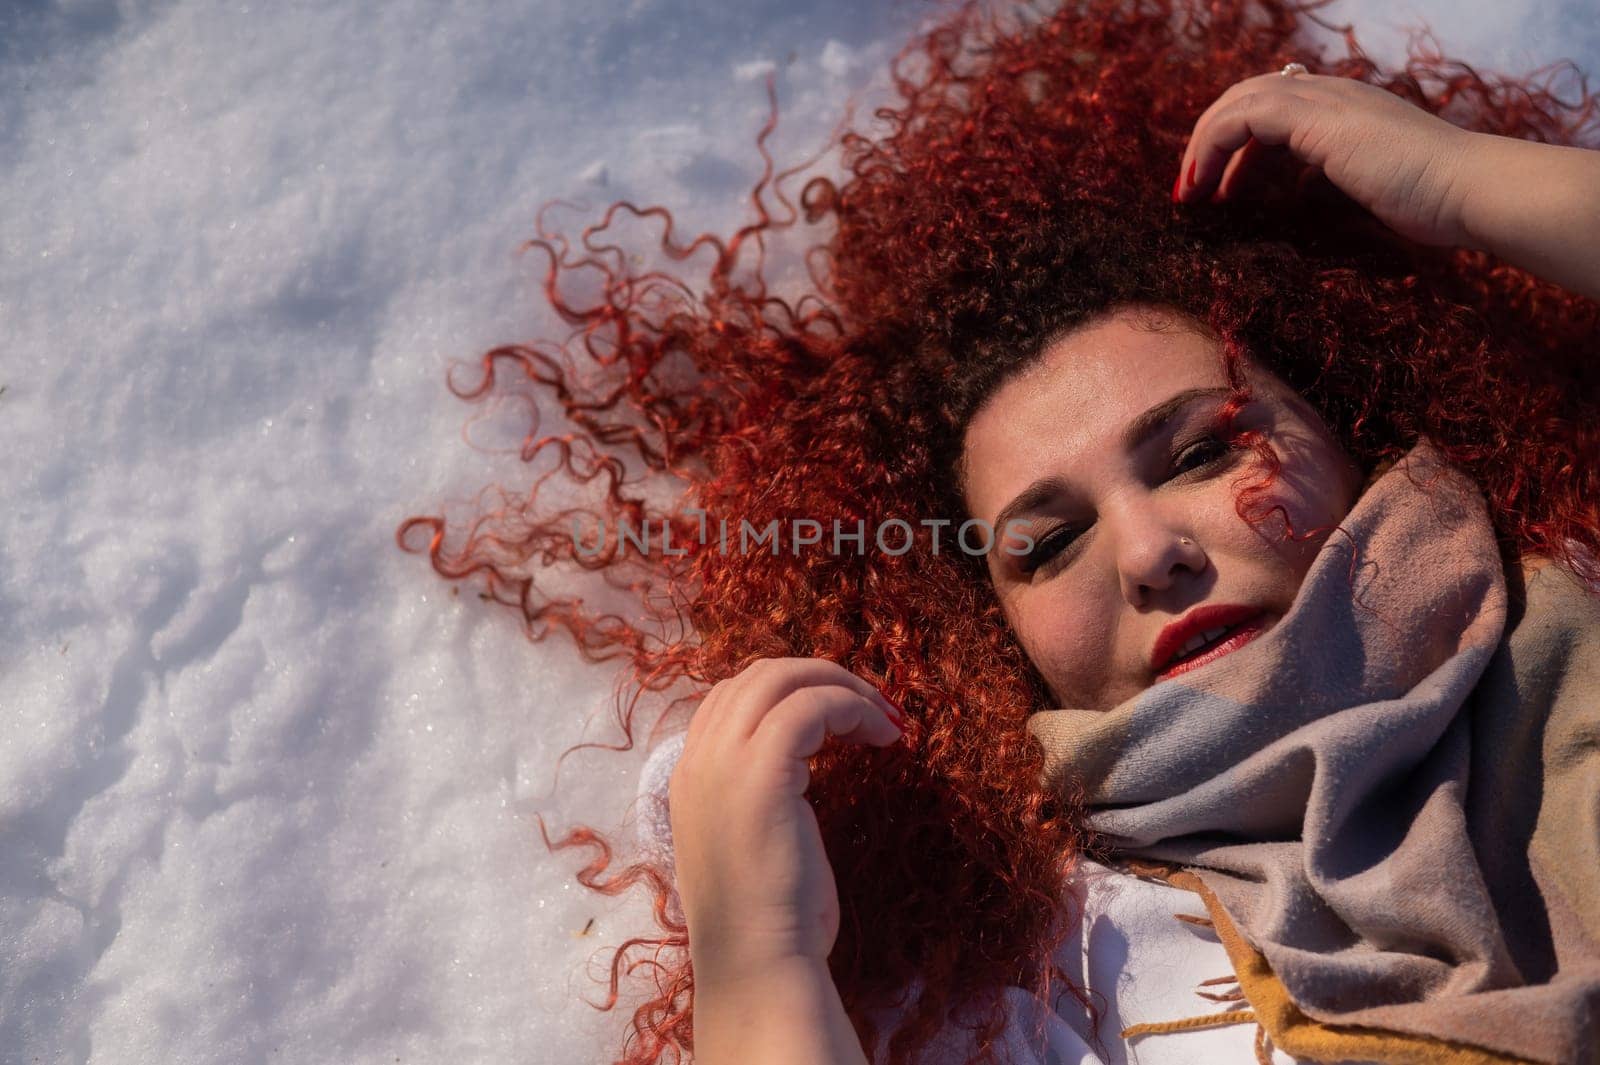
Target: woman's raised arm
(1537,206)
(757,890)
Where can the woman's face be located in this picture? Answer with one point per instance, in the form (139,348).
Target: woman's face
(1102,449)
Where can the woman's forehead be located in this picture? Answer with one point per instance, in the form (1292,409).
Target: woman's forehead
(1078,400)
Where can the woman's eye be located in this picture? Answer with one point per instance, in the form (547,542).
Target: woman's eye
(1047,547)
(1204,452)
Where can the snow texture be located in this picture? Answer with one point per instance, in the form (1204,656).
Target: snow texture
(267,790)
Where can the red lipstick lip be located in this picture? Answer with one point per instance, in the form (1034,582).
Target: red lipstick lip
(1196,621)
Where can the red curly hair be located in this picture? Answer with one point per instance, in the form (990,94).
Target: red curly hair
(1019,186)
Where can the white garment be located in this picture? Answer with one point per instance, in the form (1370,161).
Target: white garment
(1130,952)
(1140,965)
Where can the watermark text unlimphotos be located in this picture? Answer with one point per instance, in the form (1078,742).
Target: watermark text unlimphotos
(894,536)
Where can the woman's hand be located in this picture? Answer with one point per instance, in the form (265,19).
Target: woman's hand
(755,883)
(1410,168)
(1534,205)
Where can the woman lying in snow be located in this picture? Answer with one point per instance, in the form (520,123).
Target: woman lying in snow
(1200,657)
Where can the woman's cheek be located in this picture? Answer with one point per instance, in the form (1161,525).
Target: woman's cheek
(1283,527)
(1314,479)
(1068,646)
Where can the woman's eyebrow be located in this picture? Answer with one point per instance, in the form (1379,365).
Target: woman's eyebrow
(1134,435)
(1144,426)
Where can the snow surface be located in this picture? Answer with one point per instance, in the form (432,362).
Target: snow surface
(266,788)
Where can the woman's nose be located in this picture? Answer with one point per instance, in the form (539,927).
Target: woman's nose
(1153,554)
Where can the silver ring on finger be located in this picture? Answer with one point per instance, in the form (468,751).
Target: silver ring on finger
(1291,69)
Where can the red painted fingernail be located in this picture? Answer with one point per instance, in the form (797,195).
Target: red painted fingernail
(1176,182)
(897,716)
(1193,164)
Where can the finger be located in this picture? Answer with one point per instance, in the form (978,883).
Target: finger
(1242,176)
(1272,118)
(766,683)
(1269,115)
(700,720)
(827,710)
(1258,83)
(796,729)
(1258,172)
